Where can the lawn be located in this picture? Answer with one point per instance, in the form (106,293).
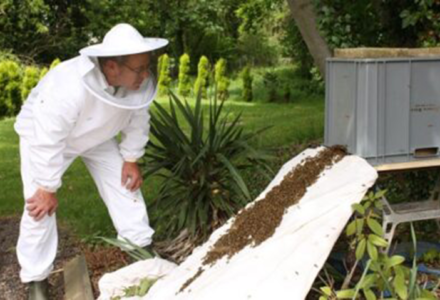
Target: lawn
(80,206)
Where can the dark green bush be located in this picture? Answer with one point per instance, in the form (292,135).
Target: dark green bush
(202,186)
(271,82)
(247,84)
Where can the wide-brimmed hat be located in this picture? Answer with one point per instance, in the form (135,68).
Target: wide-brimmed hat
(123,39)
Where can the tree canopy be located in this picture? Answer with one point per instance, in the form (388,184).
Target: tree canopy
(256,32)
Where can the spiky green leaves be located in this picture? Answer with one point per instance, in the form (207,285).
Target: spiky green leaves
(200,153)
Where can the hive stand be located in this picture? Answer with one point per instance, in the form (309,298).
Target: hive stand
(395,214)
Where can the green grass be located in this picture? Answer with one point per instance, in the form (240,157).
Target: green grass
(80,206)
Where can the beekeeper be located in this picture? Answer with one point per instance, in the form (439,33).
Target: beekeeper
(77,110)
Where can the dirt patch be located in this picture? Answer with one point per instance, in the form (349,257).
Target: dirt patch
(103,260)
(11,287)
(257,223)
(100,260)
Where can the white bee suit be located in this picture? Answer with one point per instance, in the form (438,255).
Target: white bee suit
(72,113)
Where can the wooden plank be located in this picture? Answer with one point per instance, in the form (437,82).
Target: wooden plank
(408,165)
(76,280)
(386,52)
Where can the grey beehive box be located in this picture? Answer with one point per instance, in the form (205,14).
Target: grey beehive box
(386,110)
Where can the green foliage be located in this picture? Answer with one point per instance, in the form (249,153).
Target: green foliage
(258,41)
(30,80)
(271,82)
(258,50)
(252,14)
(201,167)
(293,46)
(241,31)
(10,88)
(184,87)
(364,23)
(366,229)
(361,23)
(409,186)
(220,69)
(164,74)
(136,252)
(247,84)
(55,63)
(139,290)
(382,272)
(423,16)
(44,71)
(291,86)
(193,27)
(430,257)
(159,65)
(391,23)
(42,30)
(220,79)
(201,84)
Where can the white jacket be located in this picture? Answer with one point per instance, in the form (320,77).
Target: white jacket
(70,112)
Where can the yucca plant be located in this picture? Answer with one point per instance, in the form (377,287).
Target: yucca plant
(202,186)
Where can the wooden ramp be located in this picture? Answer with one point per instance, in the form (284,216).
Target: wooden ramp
(76,280)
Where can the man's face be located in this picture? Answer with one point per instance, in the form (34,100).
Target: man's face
(134,71)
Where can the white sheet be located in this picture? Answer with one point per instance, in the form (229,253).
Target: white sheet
(285,265)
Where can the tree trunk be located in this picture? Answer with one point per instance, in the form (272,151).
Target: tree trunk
(304,15)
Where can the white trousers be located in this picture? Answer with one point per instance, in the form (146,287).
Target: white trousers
(38,240)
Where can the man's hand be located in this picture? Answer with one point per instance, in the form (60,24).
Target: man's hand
(131,176)
(42,203)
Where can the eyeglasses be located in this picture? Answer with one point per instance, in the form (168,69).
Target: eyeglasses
(139,71)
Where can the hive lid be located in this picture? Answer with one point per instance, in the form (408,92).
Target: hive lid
(386,52)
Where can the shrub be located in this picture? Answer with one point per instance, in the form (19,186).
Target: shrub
(202,186)
(43,72)
(286,92)
(164,73)
(201,83)
(257,49)
(184,87)
(55,63)
(52,65)
(247,84)
(30,80)
(10,92)
(271,82)
(159,65)
(221,81)
(381,272)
